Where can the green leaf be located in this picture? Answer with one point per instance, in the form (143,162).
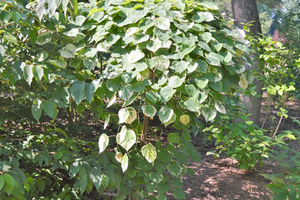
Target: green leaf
(160,167)
(10,38)
(16,16)
(273,178)
(227,57)
(74,63)
(127,115)
(68,51)
(137,87)
(50,109)
(173,137)
(220,107)
(36,109)
(174,169)
(72,33)
(74,169)
(42,56)
(2,182)
(193,104)
(82,183)
(156,177)
(77,91)
(113,84)
(206,37)
(38,72)
(204,46)
(242,46)
(149,110)
(90,63)
(191,90)
(248,76)
(212,60)
(41,186)
(202,66)
(179,193)
(166,93)
(9,179)
(162,188)
(129,139)
(105,181)
(195,156)
(33,35)
(28,73)
(149,152)
(152,96)
(154,45)
(59,63)
(209,114)
(161,63)
(8,189)
(172,120)
(201,82)
(103,142)
(179,67)
(140,37)
(124,163)
(91,53)
(175,81)
(43,38)
(165,114)
(150,186)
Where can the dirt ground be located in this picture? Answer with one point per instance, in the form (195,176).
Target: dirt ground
(220,179)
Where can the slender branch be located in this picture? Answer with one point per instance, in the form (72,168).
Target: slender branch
(268,111)
(10,23)
(281,117)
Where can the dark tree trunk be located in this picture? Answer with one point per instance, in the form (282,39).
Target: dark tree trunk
(245,11)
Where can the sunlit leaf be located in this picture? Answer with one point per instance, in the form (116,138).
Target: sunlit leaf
(103,142)
(149,152)
(124,163)
(129,139)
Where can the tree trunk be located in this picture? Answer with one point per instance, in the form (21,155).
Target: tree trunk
(245,11)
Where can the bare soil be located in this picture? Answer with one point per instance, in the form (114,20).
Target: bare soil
(220,179)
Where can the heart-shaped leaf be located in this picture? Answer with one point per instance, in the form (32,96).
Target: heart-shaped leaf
(129,139)
(149,152)
(103,142)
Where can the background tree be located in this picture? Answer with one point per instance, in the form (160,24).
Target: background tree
(245,11)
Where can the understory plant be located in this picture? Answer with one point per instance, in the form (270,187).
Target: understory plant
(286,185)
(243,141)
(169,67)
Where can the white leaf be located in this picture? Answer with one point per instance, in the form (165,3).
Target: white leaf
(162,23)
(135,56)
(124,163)
(129,141)
(103,142)
(106,121)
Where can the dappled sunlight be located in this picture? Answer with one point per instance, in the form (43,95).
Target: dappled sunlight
(221,179)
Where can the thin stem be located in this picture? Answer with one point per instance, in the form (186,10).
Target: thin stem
(281,117)
(268,111)
(278,126)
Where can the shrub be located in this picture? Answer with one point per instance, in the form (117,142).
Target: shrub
(171,61)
